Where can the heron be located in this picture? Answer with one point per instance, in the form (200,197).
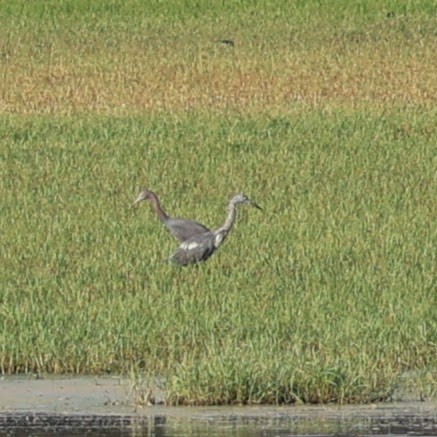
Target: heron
(181,229)
(202,246)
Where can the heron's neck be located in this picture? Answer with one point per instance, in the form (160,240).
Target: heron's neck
(229,222)
(163,216)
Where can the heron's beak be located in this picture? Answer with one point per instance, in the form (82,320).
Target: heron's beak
(256,205)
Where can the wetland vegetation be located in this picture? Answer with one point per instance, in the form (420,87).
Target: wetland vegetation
(323,112)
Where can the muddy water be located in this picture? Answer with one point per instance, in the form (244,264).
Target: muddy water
(103,407)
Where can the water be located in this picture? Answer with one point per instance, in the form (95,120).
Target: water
(245,422)
(103,407)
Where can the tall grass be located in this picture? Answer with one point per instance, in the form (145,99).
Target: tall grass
(330,294)
(324,113)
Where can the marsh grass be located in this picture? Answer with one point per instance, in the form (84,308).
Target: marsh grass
(120,58)
(329,295)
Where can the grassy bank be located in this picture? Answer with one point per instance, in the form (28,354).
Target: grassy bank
(324,115)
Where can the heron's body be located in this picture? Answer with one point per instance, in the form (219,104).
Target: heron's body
(196,249)
(202,246)
(181,229)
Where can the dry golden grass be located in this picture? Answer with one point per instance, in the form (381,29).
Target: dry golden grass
(378,64)
(371,77)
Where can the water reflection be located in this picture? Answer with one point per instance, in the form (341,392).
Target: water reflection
(25,424)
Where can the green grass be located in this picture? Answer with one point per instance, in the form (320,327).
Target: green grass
(323,113)
(328,295)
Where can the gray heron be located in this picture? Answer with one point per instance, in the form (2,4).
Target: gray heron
(181,229)
(201,246)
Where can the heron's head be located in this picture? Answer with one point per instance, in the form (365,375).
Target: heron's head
(144,195)
(241,198)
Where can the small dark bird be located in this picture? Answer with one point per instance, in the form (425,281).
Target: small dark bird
(202,246)
(228,42)
(181,229)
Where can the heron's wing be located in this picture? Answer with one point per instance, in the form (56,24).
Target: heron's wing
(195,249)
(183,229)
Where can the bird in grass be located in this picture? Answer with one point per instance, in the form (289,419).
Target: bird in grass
(201,246)
(228,42)
(181,229)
